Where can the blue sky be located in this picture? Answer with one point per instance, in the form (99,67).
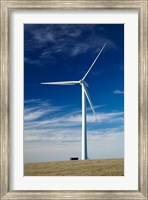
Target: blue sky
(52,114)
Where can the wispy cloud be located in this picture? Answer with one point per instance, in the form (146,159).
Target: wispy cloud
(54,39)
(31,61)
(80,49)
(36,109)
(42,121)
(56,130)
(43,36)
(118,92)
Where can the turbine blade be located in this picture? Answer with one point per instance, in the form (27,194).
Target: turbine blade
(62,83)
(94,62)
(89,100)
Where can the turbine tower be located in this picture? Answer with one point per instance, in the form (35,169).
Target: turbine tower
(85,95)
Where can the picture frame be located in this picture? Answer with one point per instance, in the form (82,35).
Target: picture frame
(6,7)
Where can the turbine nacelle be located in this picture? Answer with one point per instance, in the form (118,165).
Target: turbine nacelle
(82,82)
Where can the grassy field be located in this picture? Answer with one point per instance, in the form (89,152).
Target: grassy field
(100,167)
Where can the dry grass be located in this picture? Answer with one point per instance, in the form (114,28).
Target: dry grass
(100,167)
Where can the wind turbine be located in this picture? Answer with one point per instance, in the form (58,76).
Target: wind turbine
(85,94)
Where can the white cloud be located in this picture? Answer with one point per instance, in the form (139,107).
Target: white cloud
(118,92)
(109,145)
(81,48)
(53,128)
(66,120)
(31,61)
(44,118)
(43,36)
(35,109)
(63,39)
(29,101)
